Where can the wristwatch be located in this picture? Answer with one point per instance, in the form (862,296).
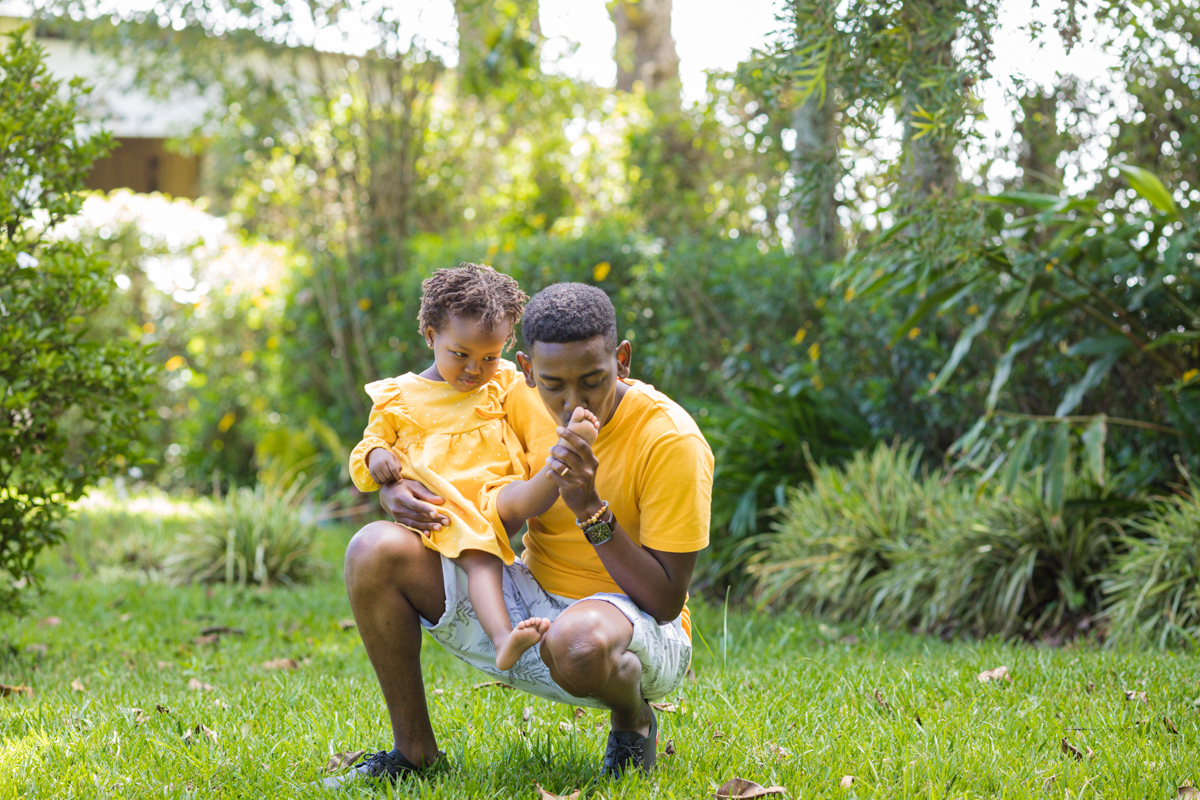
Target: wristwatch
(601,530)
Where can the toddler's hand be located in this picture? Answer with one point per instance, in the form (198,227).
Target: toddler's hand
(383,466)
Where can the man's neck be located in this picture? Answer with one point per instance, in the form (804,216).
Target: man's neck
(622,388)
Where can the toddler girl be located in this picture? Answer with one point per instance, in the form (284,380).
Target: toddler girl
(446,429)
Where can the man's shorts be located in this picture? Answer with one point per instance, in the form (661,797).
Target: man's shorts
(664,650)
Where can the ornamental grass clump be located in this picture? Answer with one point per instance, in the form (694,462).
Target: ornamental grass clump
(1153,588)
(263,535)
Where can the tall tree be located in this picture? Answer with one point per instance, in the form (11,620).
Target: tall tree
(645,50)
(498,40)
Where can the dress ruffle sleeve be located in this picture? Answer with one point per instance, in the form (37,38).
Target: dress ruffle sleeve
(390,425)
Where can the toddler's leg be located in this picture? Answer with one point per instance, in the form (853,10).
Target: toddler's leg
(485,587)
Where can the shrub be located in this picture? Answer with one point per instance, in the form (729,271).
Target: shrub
(763,444)
(70,404)
(124,538)
(1153,587)
(262,535)
(881,539)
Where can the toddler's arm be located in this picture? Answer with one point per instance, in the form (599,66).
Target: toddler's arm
(522,500)
(383,466)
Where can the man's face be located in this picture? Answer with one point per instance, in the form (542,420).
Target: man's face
(571,374)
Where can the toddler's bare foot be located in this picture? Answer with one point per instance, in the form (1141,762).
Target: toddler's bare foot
(584,424)
(527,633)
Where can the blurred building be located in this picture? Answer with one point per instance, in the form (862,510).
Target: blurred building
(142,159)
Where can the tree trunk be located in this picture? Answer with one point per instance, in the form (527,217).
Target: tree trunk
(645,51)
(813,211)
(929,163)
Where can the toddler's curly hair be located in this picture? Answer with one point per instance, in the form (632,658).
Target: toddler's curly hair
(472,291)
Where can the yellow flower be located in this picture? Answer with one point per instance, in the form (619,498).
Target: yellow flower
(1050,267)
(600,272)
(931,376)
(799,337)
(819,302)
(817,383)
(1190,374)
(849,293)
(226,421)
(174,363)
(914,333)
(972,309)
(814,351)
(148,327)
(364,303)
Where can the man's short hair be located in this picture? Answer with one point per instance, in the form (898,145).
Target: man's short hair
(569,312)
(471,291)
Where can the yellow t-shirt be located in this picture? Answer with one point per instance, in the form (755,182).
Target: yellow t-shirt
(656,473)
(455,443)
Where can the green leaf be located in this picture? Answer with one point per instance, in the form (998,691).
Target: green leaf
(961,347)
(1031,199)
(1148,185)
(1093,446)
(1019,454)
(1095,373)
(924,308)
(1056,467)
(1100,345)
(1004,367)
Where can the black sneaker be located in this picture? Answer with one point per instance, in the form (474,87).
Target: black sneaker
(629,749)
(384,765)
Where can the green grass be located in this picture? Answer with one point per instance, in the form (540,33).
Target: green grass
(762,682)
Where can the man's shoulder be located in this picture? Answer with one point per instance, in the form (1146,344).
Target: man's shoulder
(655,415)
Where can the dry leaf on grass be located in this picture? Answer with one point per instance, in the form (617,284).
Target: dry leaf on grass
(347,624)
(136,715)
(669,750)
(77,686)
(199,733)
(579,712)
(339,761)
(1130,694)
(847,781)
(219,630)
(777,751)
(208,638)
(49,622)
(1170,725)
(883,703)
(545,795)
(1072,750)
(5,691)
(998,674)
(668,708)
(281,663)
(197,685)
(717,734)
(526,713)
(566,727)
(125,617)
(1187,791)
(80,723)
(165,665)
(491,685)
(438,692)
(742,789)
(37,648)
(162,709)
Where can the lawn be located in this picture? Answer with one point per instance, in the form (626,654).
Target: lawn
(131,698)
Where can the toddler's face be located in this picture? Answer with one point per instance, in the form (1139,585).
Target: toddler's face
(466,353)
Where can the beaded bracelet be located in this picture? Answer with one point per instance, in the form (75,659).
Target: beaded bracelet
(594,518)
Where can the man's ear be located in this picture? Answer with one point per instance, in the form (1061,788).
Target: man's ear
(526,368)
(624,357)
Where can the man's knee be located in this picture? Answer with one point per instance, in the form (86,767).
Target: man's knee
(580,650)
(379,549)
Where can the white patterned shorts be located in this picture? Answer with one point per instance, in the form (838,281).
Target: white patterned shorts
(664,650)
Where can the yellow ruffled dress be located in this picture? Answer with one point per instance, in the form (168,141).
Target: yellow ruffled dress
(455,443)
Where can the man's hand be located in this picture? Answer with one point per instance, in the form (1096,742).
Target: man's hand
(408,502)
(577,487)
(383,466)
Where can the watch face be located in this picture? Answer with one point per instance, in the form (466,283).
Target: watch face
(598,533)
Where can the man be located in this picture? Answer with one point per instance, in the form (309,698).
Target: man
(609,564)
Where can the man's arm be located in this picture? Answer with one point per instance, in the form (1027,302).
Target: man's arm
(656,580)
(409,503)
